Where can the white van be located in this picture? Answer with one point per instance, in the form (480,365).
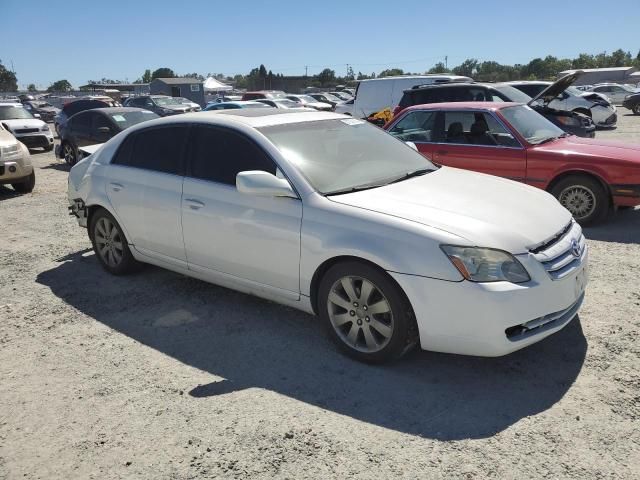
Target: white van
(379,93)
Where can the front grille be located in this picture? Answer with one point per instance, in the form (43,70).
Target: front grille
(26,130)
(541,324)
(611,119)
(565,252)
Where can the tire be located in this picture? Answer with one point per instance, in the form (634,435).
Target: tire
(26,186)
(69,153)
(364,334)
(49,148)
(636,108)
(584,197)
(110,244)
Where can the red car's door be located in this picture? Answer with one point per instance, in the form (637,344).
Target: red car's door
(476,140)
(417,126)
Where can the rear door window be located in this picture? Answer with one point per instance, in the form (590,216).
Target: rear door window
(159,149)
(476,128)
(219,154)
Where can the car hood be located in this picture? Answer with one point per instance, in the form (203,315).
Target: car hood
(23,123)
(557,87)
(487,211)
(177,108)
(594,147)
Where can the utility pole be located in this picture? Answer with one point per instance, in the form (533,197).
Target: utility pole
(306,68)
(446,58)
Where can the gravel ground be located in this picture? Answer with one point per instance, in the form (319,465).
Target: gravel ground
(160,376)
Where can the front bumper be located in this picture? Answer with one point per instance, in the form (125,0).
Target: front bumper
(627,195)
(606,117)
(493,319)
(36,139)
(14,171)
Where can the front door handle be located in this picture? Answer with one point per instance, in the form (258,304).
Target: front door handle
(194,204)
(442,152)
(116,187)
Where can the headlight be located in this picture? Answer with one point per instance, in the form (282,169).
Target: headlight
(486,264)
(569,121)
(44,128)
(168,111)
(627,97)
(10,151)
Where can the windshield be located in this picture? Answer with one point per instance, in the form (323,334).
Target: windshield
(13,112)
(287,103)
(182,100)
(341,154)
(574,91)
(127,119)
(530,124)
(166,101)
(307,98)
(512,94)
(333,98)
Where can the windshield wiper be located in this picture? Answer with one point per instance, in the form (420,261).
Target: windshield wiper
(546,140)
(415,173)
(358,188)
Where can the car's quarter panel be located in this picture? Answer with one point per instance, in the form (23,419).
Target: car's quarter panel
(248,236)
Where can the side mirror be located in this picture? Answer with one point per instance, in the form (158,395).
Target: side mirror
(36,115)
(263,184)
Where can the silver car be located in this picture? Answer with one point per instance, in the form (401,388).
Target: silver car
(562,96)
(615,92)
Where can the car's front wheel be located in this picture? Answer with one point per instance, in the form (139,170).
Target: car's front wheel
(366,313)
(636,108)
(584,197)
(110,244)
(27,185)
(69,153)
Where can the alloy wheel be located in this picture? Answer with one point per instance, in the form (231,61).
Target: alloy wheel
(69,154)
(360,314)
(579,200)
(108,242)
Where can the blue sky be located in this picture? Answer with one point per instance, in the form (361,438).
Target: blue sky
(85,40)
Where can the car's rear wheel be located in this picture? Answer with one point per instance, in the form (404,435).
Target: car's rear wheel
(636,108)
(110,244)
(27,185)
(366,313)
(69,153)
(584,197)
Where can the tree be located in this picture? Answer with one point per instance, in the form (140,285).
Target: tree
(326,76)
(438,68)
(32,88)
(146,77)
(59,86)
(466,68)
(391,72)
(197,76)
(8,80)
(163,72)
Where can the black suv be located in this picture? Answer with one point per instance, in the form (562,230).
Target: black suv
(571,122)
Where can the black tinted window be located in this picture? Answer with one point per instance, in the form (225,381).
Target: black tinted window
(158,149)
(219,155)
(81,120)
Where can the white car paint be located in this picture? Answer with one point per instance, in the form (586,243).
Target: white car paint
(15,159)
(272,246)
(28,129)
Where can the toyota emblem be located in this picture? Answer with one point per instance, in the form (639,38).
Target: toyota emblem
(575,248)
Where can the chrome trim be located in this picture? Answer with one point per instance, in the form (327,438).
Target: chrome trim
(558,255)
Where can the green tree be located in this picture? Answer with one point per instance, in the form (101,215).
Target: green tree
(438,68)
(163,72)
(326,77)
(466,68)
(194,75)
(8,80)
(59,86)
(391,72)
(146,77)
(32,87)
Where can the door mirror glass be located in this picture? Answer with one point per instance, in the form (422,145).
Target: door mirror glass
(265,184)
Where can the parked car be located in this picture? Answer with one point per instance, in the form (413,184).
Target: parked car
(283,103)
(510,140)
(345,97)
(391,251)
(71,108)
(46,111)
(345,107)
(162,105)
(235,105)
(571,99)
(377,94)
(193,106)
(571,122)
(309,101)
(15,163)
(95,126)
(261,94)
(326,98)
(31,131)
(632,102)
(616,93)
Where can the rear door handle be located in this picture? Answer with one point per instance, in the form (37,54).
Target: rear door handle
(194,204)
(116,187)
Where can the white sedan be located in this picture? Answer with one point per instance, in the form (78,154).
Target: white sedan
(333,216)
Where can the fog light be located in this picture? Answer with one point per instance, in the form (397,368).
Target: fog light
(12,169)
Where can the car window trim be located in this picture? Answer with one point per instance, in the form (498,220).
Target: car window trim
(190,159)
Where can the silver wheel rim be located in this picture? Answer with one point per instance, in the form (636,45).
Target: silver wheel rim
(579,200)
(360,314)
(108,242)
(69,156)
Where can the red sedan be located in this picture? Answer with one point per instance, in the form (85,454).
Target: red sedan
(511,140)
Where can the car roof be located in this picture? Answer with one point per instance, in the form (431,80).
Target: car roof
(116,110)
(464,105)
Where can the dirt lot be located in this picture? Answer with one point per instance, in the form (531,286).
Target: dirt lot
(161,376)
